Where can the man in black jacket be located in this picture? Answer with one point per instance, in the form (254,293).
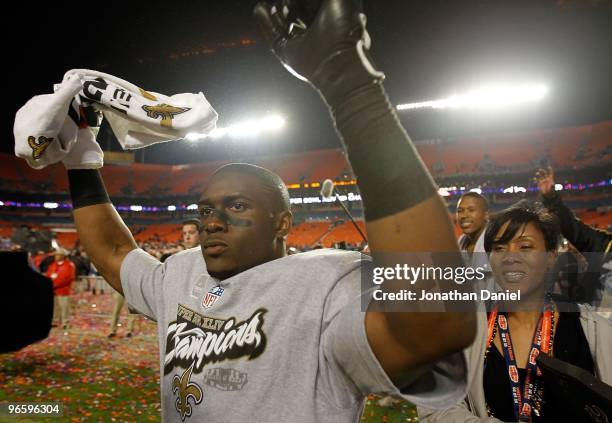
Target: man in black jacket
(589,241)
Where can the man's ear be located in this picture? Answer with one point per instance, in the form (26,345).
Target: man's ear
(284,223)
(486,215)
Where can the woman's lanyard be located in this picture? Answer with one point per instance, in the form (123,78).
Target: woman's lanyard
(523,400)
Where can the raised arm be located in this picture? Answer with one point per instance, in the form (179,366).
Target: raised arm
(584,237)
(402,208)
(101,230)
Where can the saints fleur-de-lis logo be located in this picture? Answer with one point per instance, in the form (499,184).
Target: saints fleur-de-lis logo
(186,390)
(39,145)
(165,111)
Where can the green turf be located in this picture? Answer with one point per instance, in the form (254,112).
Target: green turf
(107,380)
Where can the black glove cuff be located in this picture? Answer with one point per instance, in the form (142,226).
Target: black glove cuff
(86,188)
(338,77)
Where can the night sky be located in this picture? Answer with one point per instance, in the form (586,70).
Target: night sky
(427,49)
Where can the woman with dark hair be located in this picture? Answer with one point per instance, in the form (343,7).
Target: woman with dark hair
(522,242)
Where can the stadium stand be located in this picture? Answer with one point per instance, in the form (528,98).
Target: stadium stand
(304,235)
(566,148)
(164,232)
(489,162)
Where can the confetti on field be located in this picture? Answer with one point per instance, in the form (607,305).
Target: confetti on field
(109,380)
(96,378)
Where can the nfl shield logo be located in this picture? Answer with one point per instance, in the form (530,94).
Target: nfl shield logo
(212,296)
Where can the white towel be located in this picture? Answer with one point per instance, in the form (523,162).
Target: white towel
(44,131)
(48,127)
(86,152)
(140,118)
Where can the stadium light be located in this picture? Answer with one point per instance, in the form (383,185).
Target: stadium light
(248,128)
(50,205)
(172,208)
(135,207)
(486,97)
(192,207)
(514,189)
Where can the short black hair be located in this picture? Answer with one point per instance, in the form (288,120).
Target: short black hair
(481,198)
(266,176)
(193,221)
(519,215)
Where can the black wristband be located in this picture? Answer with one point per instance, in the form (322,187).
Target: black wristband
(343,74)
(86,188)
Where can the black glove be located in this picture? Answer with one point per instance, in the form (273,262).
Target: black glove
(327,49)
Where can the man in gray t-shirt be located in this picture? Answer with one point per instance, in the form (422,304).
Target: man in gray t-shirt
(247,333)
(285,339)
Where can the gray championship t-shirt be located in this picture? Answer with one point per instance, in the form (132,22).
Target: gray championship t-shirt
(281,342)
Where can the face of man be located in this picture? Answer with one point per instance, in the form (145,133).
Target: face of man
(471,215)
(522,263)
(191,236)
(240,226)
(59,257)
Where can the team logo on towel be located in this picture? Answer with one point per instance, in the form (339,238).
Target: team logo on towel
(533,355)
(186,390)
(212,296)
(39,145)
(164,111)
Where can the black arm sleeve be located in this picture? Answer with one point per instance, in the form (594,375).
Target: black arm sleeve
(391,175)
(584,237)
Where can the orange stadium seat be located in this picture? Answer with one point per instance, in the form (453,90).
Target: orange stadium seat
(517,151)
(8,164)
(345,232)
(328,164)
(6,231)
(116,178)
(292,171)
(564,148)
(597,219)
(601,140)
(168,232)
(67,239)
(461,157)
(429,154)
(146,177)
(307,233)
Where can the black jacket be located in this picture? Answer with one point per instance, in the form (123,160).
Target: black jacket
(585,238)
(594,244)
